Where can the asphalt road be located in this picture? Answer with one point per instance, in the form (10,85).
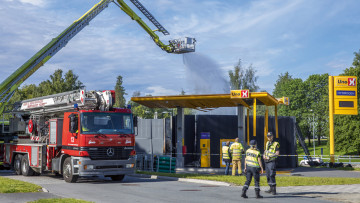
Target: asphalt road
(137,189)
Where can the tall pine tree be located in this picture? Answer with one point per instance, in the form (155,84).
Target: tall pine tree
(119,92)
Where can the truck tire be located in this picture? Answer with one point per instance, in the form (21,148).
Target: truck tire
(117,177)
(68,172)
(26,170)
(17,164)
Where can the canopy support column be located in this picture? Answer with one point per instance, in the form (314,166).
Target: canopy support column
(266,125)
(179,137)
(254,118)
(248,126)
(276,122)
(241,123)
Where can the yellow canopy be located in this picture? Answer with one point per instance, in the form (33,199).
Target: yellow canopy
(206,101)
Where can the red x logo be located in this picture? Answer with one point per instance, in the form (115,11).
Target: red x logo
(352,81)
(244,93)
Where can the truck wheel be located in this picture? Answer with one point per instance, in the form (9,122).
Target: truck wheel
(68,172)
(117,177)
(17,164)
(26,170)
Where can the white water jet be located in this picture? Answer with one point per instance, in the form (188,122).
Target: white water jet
(204,75)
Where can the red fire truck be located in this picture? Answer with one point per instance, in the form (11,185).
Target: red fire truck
(76,134)
(89,139)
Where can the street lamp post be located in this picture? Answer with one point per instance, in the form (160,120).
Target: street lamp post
(313,126)
(314,132)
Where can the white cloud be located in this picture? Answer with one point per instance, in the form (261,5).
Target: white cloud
(40,3)
(337,64)
(272,35)
(159,91)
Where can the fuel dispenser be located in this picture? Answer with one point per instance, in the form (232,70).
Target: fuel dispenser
(205,149)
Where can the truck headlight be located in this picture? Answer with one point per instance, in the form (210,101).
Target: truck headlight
(89,167)
(129,165)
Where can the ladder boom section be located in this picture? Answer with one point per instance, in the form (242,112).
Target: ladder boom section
(177,46)
(65,102)
(150,17)
(10,84)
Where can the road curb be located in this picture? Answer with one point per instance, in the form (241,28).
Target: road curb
(189,180)
(208,182)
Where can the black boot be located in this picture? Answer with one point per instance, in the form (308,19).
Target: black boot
(273,192)
(270,190)
(243,194)
(258,196)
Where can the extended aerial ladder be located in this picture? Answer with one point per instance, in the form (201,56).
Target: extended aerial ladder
(10,84)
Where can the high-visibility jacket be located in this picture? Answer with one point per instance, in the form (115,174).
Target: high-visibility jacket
(225,152)
(251,158)
(236,149)
(270,150)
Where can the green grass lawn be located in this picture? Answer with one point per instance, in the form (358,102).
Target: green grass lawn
(56,200)
(14,186)
(326,152)
(281,181)
(326,149)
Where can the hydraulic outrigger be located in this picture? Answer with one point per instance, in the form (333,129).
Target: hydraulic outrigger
(10,84)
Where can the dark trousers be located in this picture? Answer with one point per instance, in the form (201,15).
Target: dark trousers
(270,168)
(227,164)
(250,172)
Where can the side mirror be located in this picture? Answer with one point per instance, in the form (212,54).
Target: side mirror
(73,123)
(135,121)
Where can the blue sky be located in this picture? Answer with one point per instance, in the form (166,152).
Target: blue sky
(301,37)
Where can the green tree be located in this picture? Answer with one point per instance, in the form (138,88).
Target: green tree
(243,78)
(56,84)
(148,113)
(295,89)
(316,102)
(72,81)
(347,127)
(119,93)
(140,110)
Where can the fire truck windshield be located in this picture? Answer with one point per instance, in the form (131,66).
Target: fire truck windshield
(106,123)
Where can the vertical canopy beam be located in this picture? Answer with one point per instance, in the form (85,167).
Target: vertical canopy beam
(179,137)
(241,123)
(254,117)
(266,124)
(276,122)
(248,126)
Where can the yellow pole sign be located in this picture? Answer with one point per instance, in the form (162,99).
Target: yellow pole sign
(345,95)
(342,100)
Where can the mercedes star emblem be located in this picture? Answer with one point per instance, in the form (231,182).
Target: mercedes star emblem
(110,152)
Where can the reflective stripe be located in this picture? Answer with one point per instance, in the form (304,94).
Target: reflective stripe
(272,183)
(235,149)
(270,151)
(252,156)
(225,152)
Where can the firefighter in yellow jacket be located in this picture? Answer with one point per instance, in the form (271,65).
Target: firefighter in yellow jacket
(253,167)
(236,150)
(226,156)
